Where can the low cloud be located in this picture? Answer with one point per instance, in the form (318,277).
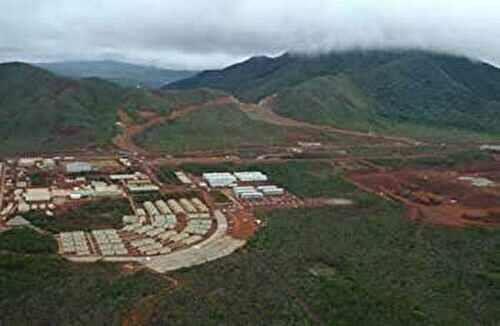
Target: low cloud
(201,34)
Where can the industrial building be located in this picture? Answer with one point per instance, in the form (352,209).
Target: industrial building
(491,148)
(186,204)
(247,192)
(78,167)
(147,187)
(34,195)
(219,180)
(183,178)
(175,207)
(118,177)
(251,176)
(102,189)
(271,190)
(200,205)
(163,207)
(27,162)
(252,195)
(151,209)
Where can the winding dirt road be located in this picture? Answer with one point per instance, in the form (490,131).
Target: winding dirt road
(125,140)
(261,112)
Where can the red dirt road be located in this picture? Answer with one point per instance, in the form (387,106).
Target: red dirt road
(125,140)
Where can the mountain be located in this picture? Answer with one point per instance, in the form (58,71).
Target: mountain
(125,74)
(41,111)
(368,89)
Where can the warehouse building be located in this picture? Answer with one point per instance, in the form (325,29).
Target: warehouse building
(147,187)
(27,162)
(252,195)
(219,180)
(251,176)
(248,192)
(34,195)
(162,207)
(491,148)
(271,190)
(183,178)
(186,204)
(200,205)
(78,167)
(119,177)
(151,209)
(102,189)
(238,191)
(175,207)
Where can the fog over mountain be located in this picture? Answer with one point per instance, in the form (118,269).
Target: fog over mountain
(201,34)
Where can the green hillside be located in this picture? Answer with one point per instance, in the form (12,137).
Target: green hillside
(334,100)
(262,76)
(385,91)
(164,101)
(40,111)
(212,127)
(124,74)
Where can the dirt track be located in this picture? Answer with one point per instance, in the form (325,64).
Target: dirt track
(125,140)
(263,111)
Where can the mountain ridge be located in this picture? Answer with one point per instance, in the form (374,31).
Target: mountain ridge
(416,87)
(122,73)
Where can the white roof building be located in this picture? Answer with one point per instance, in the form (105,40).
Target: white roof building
(78,167)
(219,180)
(37,195)
(251,176)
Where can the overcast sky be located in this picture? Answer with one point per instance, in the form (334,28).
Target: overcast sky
(199,34)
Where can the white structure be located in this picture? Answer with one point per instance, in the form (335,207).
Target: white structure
(219,180)
(175,206)
(148,187)
(271,190)
(101,189)
(251,176)
(37,195)
(18,221)
(252,195)
(247,193)
(186,204)
(238,191)
(162,207)
(78,167)
(200,205)
(118,177)
(27,162)
(492,148)
(151,209)
(478,181)
(183,178)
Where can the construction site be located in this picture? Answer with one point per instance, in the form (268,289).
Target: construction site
(186,221)
(469,195)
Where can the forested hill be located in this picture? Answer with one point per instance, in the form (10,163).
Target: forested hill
(40,111)
(363,89)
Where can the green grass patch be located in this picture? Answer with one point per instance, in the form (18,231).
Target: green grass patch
(454,160)
(167,175)
(25,240)
(99,214)
(212,128)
